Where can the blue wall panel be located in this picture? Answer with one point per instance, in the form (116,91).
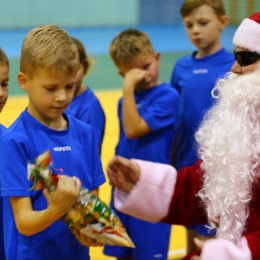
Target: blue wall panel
(160,11)
(77,13)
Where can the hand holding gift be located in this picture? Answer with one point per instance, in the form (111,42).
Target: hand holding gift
(87,216)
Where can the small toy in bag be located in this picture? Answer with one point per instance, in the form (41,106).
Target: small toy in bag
(88,214)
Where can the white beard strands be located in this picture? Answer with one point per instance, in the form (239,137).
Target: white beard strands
(229,145)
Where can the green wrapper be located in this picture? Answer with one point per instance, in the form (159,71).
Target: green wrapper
(88,214)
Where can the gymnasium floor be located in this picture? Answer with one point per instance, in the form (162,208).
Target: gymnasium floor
(171,41)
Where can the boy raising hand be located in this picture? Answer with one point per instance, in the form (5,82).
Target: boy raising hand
(147,116)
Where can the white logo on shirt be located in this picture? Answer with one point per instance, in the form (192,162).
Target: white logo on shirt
(138,105)
(62,149)
(200,71)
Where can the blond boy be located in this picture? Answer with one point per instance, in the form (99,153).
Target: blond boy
(32,225)
(147,116)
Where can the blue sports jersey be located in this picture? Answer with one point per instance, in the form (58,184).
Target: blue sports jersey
(75,151)
(195,79)
(2,251)
(2,129)
(158,106)
(86,107)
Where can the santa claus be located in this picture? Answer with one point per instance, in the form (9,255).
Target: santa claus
(223,187)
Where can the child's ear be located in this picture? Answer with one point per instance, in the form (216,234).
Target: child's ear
(157,57)
(121,73)
(224,21)
(22,80)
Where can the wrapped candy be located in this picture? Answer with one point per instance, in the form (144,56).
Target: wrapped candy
(88,214)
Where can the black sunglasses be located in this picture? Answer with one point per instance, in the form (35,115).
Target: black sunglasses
(245,58)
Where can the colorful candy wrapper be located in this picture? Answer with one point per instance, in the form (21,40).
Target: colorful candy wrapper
(88,214)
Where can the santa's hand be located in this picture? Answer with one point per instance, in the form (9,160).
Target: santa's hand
(123,173)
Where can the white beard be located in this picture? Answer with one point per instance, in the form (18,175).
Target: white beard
(229,145)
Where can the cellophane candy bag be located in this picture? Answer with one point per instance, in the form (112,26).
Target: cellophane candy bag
(88,214)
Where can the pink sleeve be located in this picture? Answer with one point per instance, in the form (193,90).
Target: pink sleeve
(216,249)
(151,196)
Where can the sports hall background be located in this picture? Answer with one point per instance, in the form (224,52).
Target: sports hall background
(95,23)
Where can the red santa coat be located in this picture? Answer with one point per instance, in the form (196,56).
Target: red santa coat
(162,194)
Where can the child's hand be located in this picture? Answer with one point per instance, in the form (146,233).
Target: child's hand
(86,241)
(133,76)
(61,200)
(123,173)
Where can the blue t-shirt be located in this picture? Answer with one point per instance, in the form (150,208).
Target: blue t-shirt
(2,129)
(158,107)
(195,79)
(75,151)
(2,251)
(86,107)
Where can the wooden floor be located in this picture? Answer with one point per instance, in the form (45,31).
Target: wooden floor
(108,100)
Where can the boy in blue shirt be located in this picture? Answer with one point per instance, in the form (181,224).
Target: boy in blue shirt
(147,117)
(4,79)
(85,106)
(32,225)
(194,77)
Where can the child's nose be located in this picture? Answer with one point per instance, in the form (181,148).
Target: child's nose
(195,28)
(61,95)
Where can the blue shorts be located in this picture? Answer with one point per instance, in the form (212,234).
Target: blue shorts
(151,240)
(203,230)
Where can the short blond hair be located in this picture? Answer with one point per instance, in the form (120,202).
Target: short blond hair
(48,47)
(127,45)
(189,5)
(3,58)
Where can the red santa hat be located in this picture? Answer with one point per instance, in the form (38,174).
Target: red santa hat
(248,34)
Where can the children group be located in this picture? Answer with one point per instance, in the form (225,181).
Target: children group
(157,122)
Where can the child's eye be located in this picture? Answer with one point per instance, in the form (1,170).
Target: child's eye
(204,23)
(4,85)
(50,89)
(189,26)
(145,67)
(69,86)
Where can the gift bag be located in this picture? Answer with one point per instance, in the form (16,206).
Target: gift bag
(88,214)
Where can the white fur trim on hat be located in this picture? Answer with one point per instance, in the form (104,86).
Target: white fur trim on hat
(248,35)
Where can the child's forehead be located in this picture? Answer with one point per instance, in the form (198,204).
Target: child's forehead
(137,62)
(141,58)
(4,70)
(4,66)
(201,12)
(4,73)
(51,75)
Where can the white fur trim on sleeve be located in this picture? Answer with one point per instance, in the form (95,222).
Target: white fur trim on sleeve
(216,249)
(247,35)
(150,198)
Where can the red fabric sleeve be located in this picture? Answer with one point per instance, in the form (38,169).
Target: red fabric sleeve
(253,241)
(188,257)
(186,208)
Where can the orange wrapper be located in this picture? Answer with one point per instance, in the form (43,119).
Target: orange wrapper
(88,214)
